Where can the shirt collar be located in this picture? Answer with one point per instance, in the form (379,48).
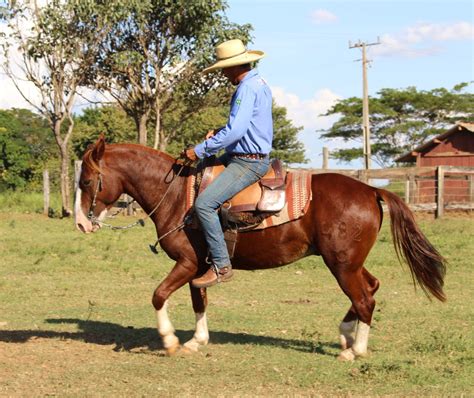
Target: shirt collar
(249,75)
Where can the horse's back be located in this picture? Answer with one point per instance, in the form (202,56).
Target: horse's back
(341,192)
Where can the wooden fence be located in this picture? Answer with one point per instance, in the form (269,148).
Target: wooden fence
(435,189)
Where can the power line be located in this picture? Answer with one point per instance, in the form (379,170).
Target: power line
(365,99)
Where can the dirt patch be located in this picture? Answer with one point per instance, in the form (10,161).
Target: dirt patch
(45,366)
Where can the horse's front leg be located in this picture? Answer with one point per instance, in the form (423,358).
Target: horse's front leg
(181,274)
(201,334)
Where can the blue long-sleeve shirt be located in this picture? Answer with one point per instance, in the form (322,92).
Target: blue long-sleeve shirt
(249,128)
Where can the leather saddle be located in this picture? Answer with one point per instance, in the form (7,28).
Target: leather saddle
(267,195)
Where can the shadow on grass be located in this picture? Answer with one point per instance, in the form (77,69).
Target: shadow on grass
(127,338)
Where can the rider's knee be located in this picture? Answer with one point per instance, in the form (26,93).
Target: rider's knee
(201,206)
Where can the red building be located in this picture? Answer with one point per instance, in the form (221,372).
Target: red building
(455,147)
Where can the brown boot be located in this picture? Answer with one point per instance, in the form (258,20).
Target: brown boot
(213,276)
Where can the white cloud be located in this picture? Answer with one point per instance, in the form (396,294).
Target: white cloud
(423,39)
(440,32)
(10,97)
(307,114)
(323,16)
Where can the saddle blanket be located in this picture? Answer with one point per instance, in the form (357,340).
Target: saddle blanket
(298,198)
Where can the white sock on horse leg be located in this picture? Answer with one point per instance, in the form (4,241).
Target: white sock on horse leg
(165,327)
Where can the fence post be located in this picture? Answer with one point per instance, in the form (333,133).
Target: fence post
(325,157)
(407,191)
(413,188)
(129,201)
(45,192)
(362,175)
(439,191)
(77,176)
(471,188)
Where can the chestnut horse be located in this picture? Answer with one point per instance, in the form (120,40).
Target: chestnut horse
(341,225)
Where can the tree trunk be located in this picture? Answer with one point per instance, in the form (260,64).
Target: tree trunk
(142,128)
(157,143)
(65,185)
(163,141)
(64,157)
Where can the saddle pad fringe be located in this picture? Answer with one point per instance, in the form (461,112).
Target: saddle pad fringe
(191,190)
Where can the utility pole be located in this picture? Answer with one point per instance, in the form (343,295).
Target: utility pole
(365,100)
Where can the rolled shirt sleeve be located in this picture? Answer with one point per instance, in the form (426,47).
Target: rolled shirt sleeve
(241,111)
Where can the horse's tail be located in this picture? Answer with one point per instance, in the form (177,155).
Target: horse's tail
(427,266)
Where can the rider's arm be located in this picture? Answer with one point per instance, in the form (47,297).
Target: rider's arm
(238,124)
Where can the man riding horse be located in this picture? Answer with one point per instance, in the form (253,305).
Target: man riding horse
(247,140)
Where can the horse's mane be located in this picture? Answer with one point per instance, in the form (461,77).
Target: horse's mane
(142,148)
(91,163)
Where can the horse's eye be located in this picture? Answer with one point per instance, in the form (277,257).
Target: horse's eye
(86,183)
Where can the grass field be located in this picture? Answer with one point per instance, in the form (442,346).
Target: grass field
(76,320)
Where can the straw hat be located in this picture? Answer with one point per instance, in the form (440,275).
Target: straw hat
(232,53)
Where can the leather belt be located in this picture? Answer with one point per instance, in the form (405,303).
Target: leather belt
(256,156)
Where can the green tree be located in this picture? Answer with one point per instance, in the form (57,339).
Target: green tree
(285,138)
(156,55)
(111,120)
(191,128)
(400,120)
(26,145)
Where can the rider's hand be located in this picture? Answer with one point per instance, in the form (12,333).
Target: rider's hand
(190,154)
(210,133)
(213,132)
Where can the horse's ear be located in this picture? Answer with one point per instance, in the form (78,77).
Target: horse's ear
(99,148)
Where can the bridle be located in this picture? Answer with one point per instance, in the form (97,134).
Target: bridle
(90,215)
(96,221)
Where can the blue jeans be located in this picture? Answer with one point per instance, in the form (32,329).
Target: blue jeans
(238,174)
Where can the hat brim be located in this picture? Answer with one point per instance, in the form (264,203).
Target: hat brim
(242,59)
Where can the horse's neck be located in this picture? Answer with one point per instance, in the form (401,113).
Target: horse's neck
(148,175)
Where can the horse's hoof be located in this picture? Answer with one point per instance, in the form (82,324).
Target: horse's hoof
(193,345)
(346,343)
(186,351)
(347,355)
(173,350)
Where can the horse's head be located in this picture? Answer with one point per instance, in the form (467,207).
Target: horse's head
(97,189)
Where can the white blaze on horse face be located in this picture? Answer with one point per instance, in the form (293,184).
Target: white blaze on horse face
(83,224)
(165,328)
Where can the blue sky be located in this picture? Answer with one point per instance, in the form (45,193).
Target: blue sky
(426,44)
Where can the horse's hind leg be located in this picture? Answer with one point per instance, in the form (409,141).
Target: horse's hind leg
(348,326)
(201,334)
(359,285)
